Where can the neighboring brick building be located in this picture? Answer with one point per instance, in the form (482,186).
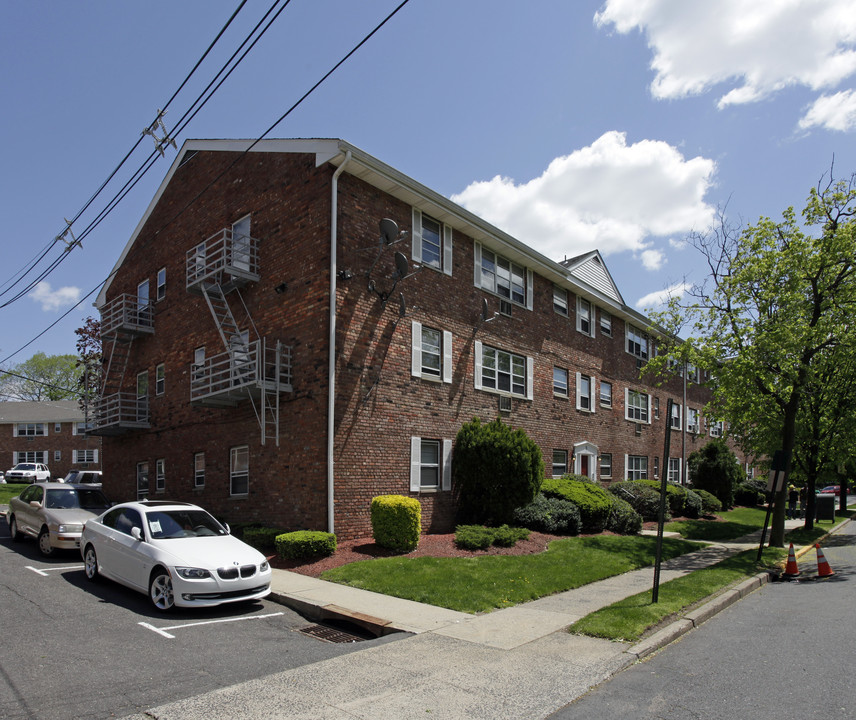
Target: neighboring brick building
(50,432)
(217,355)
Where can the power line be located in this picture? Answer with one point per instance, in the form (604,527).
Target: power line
(29,267)
(128,186)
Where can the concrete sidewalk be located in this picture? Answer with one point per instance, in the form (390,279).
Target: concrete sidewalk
(513,663)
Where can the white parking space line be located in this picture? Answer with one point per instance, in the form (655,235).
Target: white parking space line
(164,633)
(44,573)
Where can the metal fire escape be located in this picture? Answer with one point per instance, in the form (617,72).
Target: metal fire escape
(249,367)
(123,319)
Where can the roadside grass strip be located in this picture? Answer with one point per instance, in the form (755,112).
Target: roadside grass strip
(628,619)
(485,583)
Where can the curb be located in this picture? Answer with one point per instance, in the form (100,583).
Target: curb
(696,617)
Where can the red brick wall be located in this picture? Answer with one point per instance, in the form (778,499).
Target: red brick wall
(65,442)
(379,406)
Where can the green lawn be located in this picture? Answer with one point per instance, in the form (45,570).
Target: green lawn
(736,523)
(10,490)
(628,619)
(495,581)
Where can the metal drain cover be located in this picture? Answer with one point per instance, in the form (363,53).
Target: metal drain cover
(330,634)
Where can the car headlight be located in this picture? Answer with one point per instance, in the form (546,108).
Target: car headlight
(192,573)
(71,528)
(264,567)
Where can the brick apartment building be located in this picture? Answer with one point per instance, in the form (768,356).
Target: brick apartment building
(50,432)
(223,385)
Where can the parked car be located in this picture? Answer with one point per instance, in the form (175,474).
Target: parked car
(28,472)
(88,477)
(175,552)
(833,489)
(54,513)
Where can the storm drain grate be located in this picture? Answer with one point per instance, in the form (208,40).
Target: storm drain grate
(331,634)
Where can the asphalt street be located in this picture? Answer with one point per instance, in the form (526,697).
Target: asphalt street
(783,652)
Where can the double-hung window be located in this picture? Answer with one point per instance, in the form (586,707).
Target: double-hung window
(503,372)
(637,467)
(160,292)
(637,342)
(605,323)
(30,430)
(585,321)
(160,379)
(637,406)
(692,420)
(142,480)
(585,383)
(605,394)
(160,475)
(431,356)
(239,470)
(560,381)
(432,242)
(89,455)
(503,277)
(560,300)
(675,422)
(605,465)
(560,463)
(430,464)
(674,470)
(199,470)
(716,427)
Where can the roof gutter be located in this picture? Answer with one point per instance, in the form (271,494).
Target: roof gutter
(331,368)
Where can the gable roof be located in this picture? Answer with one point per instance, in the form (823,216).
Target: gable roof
(591,270)
(49,411)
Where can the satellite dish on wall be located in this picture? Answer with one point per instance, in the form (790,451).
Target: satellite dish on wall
(401,265)
(388,231)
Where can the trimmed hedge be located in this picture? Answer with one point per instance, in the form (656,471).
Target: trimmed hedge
(623,519)
(262,538)
(305,544)
(479,537)
(549,515)
(592,500)
(642,498)
(682,501)
(710,504)
(396,522)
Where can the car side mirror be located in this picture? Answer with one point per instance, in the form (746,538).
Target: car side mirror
(137,534)
(35,503)
(228,529)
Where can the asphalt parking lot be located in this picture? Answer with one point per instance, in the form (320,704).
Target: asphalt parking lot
(72,648)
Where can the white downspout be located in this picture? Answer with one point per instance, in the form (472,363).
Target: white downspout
(331,368)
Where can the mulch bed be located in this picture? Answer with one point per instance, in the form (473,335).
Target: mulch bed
(349,551)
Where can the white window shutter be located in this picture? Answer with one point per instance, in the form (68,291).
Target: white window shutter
(416,351)
(447,249)
(649,407)
(477,264)
(447,465)
(530,378)
(594,400)
(15,434)
(626,470)
(579,384)
(417,235)
(415,463)
(626,405)
(447,356)
(477,371)
(530,291)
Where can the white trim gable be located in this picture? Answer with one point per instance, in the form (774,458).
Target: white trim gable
(591,270)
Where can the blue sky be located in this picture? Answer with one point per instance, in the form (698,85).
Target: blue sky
(612,124)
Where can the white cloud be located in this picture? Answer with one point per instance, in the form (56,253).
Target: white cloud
(659,298)
(653,259)
(52,300)
(610,196)
(761,46)
(834,112)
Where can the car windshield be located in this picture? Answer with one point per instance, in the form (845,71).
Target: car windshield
(67,498)
(166,524)
(24,466)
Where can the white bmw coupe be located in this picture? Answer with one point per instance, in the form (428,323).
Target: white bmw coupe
(175,552)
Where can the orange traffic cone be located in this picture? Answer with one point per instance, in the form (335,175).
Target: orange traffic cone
(791,569)
(823,569)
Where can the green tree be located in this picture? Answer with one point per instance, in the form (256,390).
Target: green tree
(778,299)
(715,468)
(495,470)
(42,377)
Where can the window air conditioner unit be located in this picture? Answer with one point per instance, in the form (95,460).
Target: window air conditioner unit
(504,404)
(505,307)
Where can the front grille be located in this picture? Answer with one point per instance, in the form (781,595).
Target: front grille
(231,573)
(225,595)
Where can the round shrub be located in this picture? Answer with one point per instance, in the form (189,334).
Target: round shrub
(592,500)
(710,504)
(693,504)
(261,538)
(549,515)
(495,470)
(623,519)
(644,499)
(746,494)
(396,522)
(305,544)
(675,495)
